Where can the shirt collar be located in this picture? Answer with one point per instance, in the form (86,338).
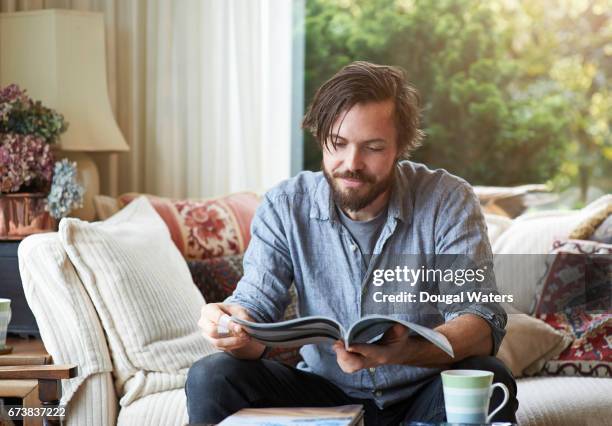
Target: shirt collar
(400,201)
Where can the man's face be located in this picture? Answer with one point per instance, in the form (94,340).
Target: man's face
(362,165)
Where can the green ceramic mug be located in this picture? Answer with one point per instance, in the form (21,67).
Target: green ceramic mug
(467,394)
(5,318)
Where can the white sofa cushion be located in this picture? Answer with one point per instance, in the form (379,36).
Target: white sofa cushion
(164,408)
(530,342)
(564,401)
(67,321)
(534,233)
(519,253)
(142,290)
(94,403)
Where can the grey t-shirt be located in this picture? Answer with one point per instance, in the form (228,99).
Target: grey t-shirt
(366,232)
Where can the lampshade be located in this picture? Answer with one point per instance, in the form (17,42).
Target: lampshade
(58,56)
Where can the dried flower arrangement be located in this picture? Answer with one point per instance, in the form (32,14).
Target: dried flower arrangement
(27,131)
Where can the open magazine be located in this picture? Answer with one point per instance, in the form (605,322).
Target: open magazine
(317,329)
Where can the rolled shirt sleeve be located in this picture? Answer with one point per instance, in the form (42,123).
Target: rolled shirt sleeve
(462,243)
(268,273)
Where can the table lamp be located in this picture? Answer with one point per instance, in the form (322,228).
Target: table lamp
(59,57)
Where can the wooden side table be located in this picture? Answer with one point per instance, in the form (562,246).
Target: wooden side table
(29,373)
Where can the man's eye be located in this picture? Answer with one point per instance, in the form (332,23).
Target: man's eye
(375,149)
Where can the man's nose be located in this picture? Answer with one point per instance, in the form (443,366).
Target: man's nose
(354,160)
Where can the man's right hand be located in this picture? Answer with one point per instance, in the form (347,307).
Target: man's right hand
(238,341)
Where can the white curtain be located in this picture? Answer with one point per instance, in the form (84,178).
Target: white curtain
(201,90)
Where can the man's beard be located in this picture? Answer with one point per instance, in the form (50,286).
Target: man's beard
(348,199)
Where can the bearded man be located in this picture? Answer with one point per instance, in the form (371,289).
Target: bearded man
(326,233)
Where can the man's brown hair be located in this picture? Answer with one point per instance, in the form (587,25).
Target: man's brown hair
(361,82)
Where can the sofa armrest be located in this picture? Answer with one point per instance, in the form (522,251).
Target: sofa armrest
(38,372)
(69,327)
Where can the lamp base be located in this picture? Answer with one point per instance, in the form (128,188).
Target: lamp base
(88,176)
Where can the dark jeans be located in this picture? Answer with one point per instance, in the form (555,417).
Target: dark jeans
(219,385)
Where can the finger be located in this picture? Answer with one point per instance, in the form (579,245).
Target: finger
(373,355)
(212,312)
(342,353)
(365,350)
(210,329)
(398,330)
(215,313)
(233,341)
(350,363)
(239,312)
(347,368)
(359,348)
(225,325)
(210,320)
(338,344)
(228,343)
(237,329)
(219,312)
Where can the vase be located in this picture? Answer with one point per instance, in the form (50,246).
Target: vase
(23,214)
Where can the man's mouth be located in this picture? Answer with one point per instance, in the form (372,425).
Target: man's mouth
(352,183)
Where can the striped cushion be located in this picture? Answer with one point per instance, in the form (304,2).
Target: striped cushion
(67,320)
(143,293)
(564,401)
(94,403)
(165,408)
(70,329)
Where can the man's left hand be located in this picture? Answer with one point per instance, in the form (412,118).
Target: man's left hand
(392,348)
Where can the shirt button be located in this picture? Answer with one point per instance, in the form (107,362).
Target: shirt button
(378,394)
(353,247)
(372,369)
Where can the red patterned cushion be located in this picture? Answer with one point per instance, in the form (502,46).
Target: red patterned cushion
(203,229)
(591,352)
(577,297)
(216,278)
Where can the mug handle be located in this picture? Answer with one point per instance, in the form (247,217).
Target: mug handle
(506,397)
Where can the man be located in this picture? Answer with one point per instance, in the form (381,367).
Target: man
(326,233)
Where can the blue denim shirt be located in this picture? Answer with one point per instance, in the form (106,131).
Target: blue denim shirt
(296,237)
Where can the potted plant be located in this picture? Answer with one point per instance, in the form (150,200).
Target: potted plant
(34,190)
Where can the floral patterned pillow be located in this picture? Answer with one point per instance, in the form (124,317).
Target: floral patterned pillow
(203,229)
(576,297)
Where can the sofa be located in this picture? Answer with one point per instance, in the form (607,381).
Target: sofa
(120,298)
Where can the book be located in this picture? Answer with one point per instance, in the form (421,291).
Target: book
(319,329)
(346,415)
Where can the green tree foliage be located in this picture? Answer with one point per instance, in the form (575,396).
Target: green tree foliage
(493,110)
(567,45)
